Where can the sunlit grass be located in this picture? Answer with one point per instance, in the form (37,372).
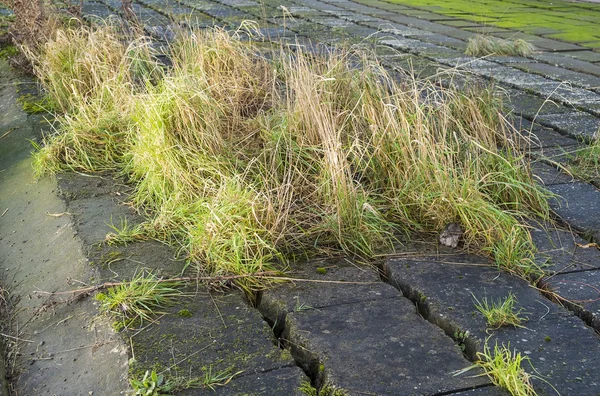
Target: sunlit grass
(242,160)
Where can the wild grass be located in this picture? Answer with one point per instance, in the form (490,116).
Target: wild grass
(131,303)
(503,367)
(501,312)
(243,157)
(484,45)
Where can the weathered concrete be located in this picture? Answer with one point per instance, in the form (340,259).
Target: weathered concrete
(561,251)
(549,332)
(574,204)
(66,347)
(579,292)
(343,333)
(221,333)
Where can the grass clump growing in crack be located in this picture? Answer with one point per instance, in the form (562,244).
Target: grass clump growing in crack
(484,45)
(131,303)
(502,312)
(326,390)
(503,367)
(242,160)
(124,233)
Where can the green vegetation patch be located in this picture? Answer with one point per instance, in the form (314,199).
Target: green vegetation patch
(503,368)
(242,160)
(502,312)
(573,22)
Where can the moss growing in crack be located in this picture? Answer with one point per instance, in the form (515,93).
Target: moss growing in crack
(184,313)
(8,51)
(326,390)
(33,104)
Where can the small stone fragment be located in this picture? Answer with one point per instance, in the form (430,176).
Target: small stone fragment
(451,235)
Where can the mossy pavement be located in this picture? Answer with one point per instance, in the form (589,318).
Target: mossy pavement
(554,95)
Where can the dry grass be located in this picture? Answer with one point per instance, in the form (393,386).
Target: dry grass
(242,160)
(483,45)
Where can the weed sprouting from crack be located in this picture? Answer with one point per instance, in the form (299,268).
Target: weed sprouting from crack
(124,233)
(503,367)
(502,312)
(138,300)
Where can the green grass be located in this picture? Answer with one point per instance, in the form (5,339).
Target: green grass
(502,312)
(243,161)
(139,300)
(485,45)
(153,384)
(573,22)
(503,367)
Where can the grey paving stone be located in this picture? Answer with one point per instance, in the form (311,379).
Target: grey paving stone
(568,62)
(283,381)
(578,204)
(219,331)
(562,251)
(556,154)
(398,29)
(359,332)
(587,56)
(565,93)
(526,104)
(409,45)
(558,73)
(549,175)
(378,347)
(541,42)
(485,391)
(563,350)
(93,9)
(540,137)
(580,292)
(576,124)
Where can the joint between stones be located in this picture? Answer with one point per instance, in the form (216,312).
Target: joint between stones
(468,344)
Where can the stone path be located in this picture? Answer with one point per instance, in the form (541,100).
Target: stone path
(404,326)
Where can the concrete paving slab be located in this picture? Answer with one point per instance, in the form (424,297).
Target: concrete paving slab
(576,124)
(283,381)
(562,251)
(355,334)
(549,175)
(378,347)
(577,205)
(563,350)
(217,331)
(559,74)
(569,63)
(580,292)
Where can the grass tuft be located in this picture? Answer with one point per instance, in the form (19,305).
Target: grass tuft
(138,300)
(484,45)
(244,156)
(500,313)
(503,367)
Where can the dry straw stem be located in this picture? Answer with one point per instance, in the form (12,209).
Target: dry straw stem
(242,159)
